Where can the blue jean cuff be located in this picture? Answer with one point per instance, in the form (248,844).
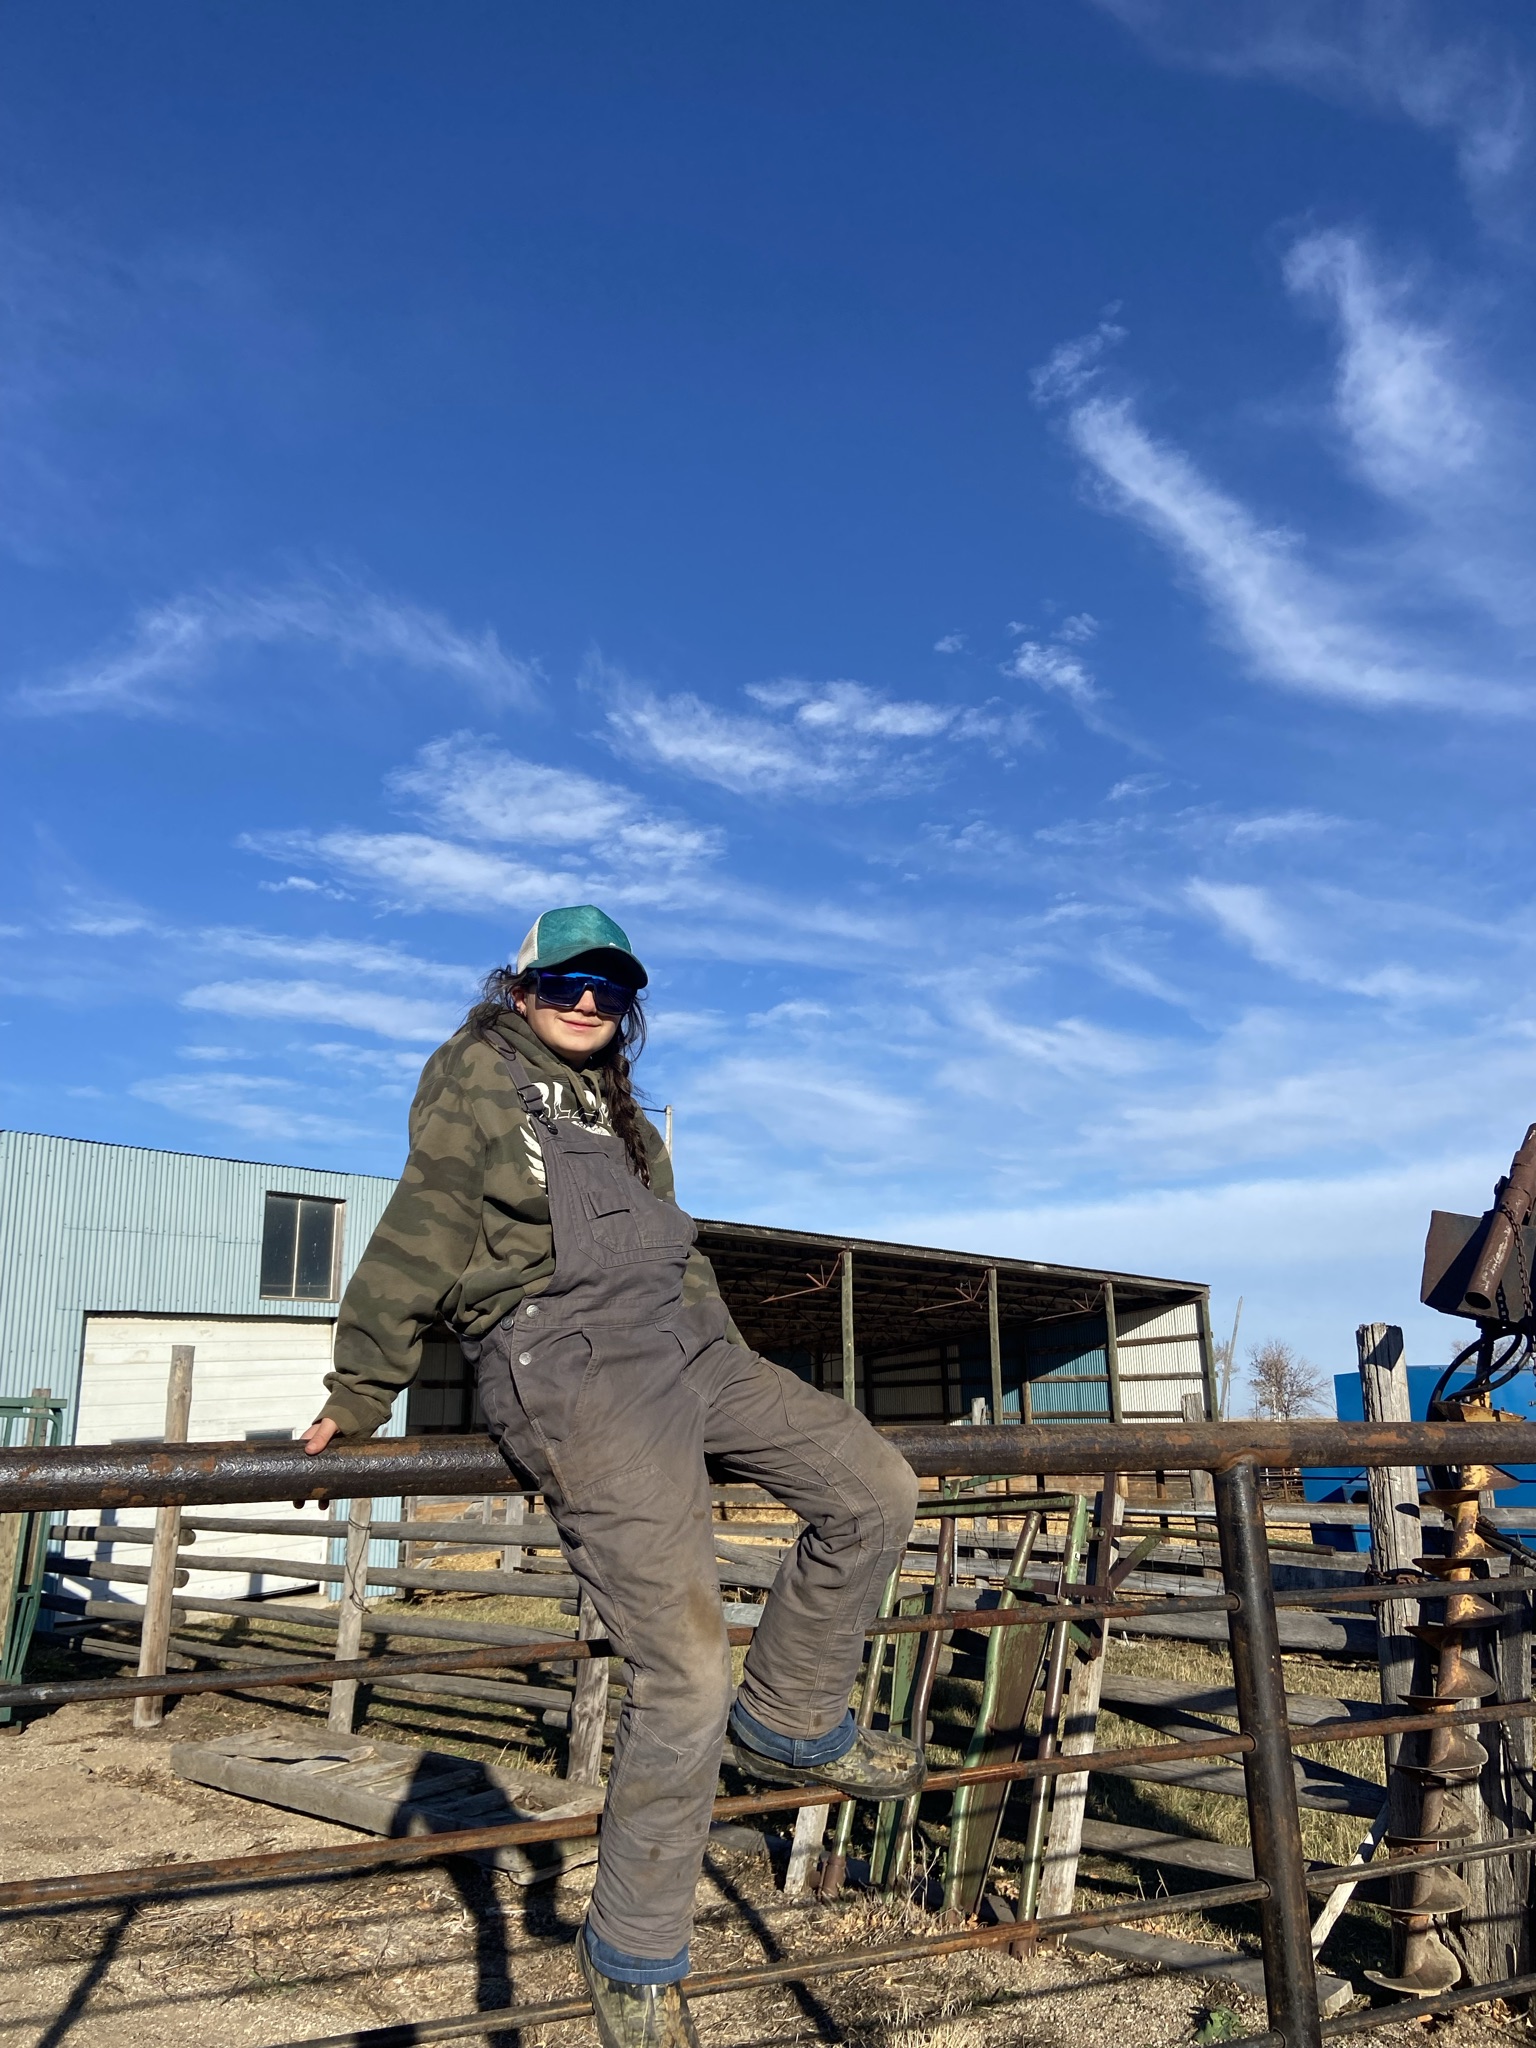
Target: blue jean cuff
(627,1969)
(800,1750)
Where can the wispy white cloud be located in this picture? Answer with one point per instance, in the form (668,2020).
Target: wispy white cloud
(259,1106)
(1423,422)
(1295,624)
(844,707)
(1404,405)
(302,885)
(473,787)
(950,644)
(1265,828)
(1072,1045)
(420,871)
(837,739)
(172,647)
(395,1066)
(358,955)
(1072,366)
(1449,71)
(1250,916)
(1054,669)
(385,1014)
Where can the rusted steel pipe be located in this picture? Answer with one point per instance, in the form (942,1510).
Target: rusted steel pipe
(57,1692)
(127,1475)
(1274,1819)
(803,1969)
(157,1880)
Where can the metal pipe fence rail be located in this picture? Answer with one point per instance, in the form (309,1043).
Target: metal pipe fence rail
(173,1475)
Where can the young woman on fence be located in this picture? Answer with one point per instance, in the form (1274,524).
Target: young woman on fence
(536,1215)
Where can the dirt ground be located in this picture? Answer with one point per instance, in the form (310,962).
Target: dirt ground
(254,1967)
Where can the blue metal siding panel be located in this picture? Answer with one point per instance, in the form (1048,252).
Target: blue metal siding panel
(120,1229)
(1068,1370)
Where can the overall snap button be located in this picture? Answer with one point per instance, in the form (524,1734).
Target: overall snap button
(532,1309)
(525,1358)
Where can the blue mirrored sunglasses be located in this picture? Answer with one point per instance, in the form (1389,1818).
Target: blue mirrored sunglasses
(565,991)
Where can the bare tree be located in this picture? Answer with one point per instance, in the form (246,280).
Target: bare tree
(1283,1384)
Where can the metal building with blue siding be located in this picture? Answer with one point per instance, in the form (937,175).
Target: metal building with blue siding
(95,1235)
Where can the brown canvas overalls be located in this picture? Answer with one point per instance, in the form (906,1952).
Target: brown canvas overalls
(610,1393)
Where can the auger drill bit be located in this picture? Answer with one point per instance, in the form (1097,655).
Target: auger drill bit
(1452,1754)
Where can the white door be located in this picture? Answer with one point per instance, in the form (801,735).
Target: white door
(254,1377)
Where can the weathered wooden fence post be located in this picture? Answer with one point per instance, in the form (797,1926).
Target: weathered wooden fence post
(515,1513)
(805,1849)
(155,1641)
(349,1623)
(589,1707)
(1396,1540)
(1058,1883)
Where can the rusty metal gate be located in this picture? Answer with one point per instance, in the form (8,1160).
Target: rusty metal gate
(37,1481)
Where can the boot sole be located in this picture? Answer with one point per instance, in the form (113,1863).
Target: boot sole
(771,1773)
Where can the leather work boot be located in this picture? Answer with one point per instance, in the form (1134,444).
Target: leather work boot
(635,2015)
(877,1765)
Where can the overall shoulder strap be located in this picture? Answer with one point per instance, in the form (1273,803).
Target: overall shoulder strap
(527,1088)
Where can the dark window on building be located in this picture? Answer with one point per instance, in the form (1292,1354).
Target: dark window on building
(300,1248)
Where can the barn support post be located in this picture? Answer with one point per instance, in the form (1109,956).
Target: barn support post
(155,1639)
(1112,1354)
(850,1377)
(1208,1354)
(994,1345)
(349,1622)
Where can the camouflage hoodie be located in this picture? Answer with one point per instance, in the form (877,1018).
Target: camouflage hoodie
(467,1233)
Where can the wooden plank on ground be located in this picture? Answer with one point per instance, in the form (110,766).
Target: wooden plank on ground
(1320,1789)
(394,1788)
(1196,1959)
(1154,1700)
(1348,1636)
(1154,1845)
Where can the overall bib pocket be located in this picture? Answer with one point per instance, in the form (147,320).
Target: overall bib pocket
(626,1222)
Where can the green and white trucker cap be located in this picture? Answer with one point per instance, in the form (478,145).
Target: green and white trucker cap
(562,935)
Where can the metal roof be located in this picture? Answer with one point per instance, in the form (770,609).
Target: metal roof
(783,1289)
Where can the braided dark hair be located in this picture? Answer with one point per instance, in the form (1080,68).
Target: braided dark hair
(498,994)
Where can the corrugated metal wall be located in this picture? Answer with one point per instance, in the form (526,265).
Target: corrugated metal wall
(1068,1370)
(95,1228)
(1160,1362)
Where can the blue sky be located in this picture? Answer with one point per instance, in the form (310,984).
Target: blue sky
(995,539)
